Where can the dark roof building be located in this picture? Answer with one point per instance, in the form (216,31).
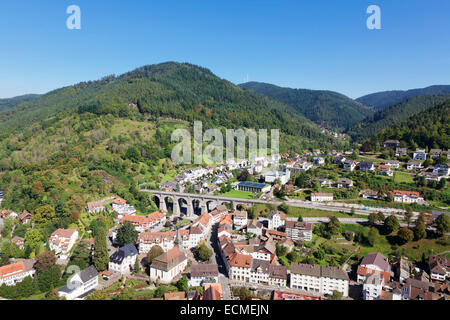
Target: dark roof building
(122,253)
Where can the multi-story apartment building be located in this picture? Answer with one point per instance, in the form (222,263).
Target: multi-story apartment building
(299,231)
(276,219)
(62,240)
(14,273)
(407,196)
(319,279)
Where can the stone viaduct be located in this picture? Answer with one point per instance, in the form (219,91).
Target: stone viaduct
(190,202)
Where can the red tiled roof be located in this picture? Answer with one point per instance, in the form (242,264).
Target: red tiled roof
(12,269)
(368,272)
(412,194)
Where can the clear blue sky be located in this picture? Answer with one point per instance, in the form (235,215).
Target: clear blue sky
(302,44)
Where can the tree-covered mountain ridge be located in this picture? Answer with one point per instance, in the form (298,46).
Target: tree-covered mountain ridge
(327,108)
(428,129)
(381,100)
(393,115)
(176,90)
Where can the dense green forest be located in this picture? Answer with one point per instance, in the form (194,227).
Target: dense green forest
(181,91)
(392,115)
(381,100)
(14,102)
(429,128)
(331,109)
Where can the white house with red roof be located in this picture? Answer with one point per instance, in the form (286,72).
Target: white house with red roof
(407,196)
(120,206)
(143,223)
(14,273)
(62,240)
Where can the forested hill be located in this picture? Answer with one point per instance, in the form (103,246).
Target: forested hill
(429,128)
(328,108)
(13,102)
(176,90)
(381,100)
(394,114)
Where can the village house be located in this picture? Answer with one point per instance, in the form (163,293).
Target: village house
(318,161)
(62,240)
(442,169)
(95,207)
(385,170)
(123,259)
(168,265)
(217,213)
(401,152)
(439,268)
(393,144)
(369,194)
(265,250)
(225,230)
(25,217)
(349,165)
(320,197)
(14,273)
(435,153)
(239,267)
(366,166)
(339,160)
(275,234)
(414,165)
(407,196)
(203,222)
(240,219)
(276,219)
(201,274)
(320,280)
(8,213)
(299,231)
(277,275)
(393,164)
(80,285)
(146,240)
(324,182)
(253,226)
(120,206)
(373,263)
(18,241)
(343,183)
(420,154)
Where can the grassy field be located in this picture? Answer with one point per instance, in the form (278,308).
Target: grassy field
(404,177)
(239,194)
(263,210)
(305,212)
